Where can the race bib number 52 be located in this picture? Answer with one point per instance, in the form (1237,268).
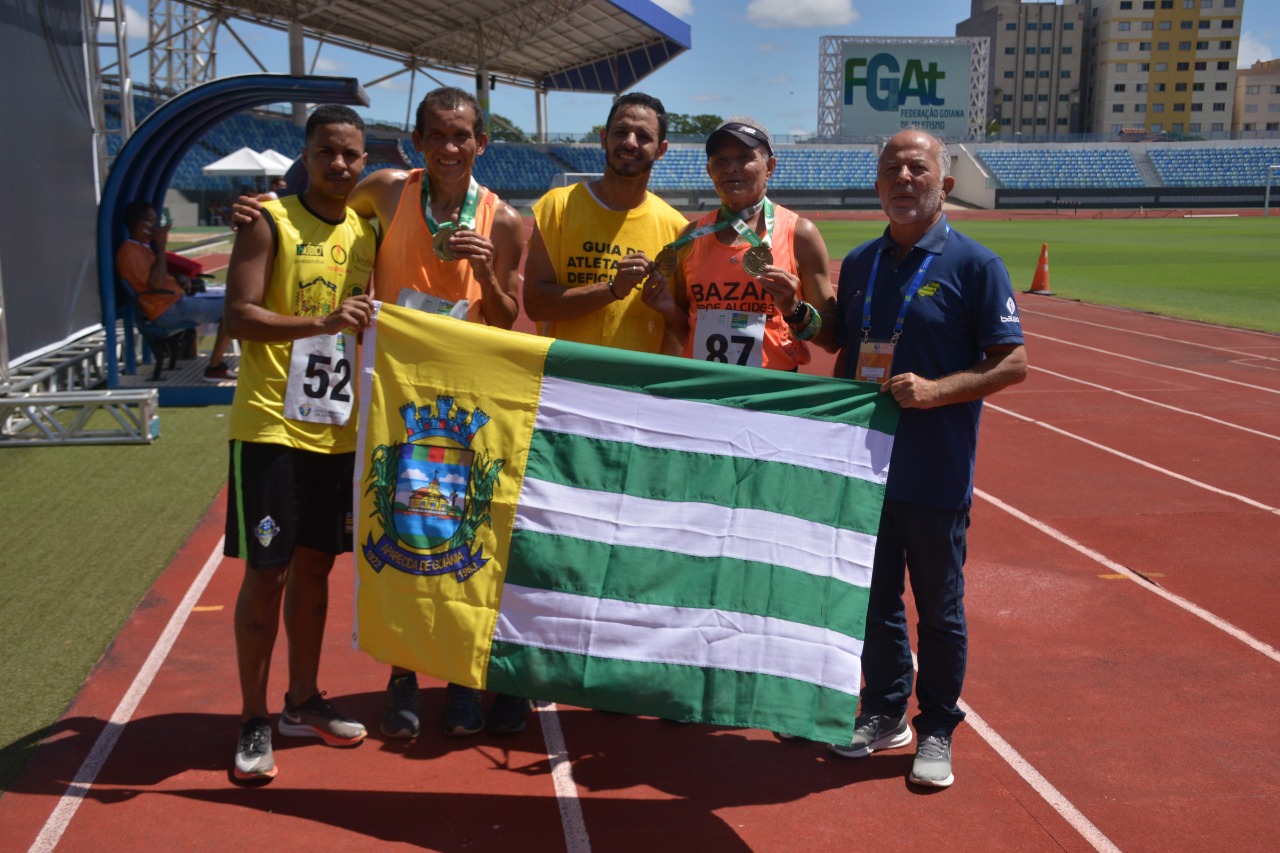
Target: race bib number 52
(319,390)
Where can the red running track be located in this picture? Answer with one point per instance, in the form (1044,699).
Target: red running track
(1124,683)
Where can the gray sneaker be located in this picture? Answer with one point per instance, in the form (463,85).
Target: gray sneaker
(317,717)
(874,732)
(400,717)
(254,759)
(933,762)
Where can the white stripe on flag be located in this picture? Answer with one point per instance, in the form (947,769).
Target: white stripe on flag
(611,414)
(649,633)
(697,529)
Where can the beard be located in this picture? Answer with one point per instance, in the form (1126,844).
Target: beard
(628,168)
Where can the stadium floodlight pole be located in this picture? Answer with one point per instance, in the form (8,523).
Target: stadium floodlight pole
(1266,198)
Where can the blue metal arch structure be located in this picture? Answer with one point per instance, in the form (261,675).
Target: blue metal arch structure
(618,72)
(149,158)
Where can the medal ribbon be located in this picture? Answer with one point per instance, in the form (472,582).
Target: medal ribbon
(729,218)
(466,216)
(915,285)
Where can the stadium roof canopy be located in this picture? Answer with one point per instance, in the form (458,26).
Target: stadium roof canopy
(602,46)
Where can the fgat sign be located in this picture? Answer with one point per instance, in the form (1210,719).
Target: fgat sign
(891,85)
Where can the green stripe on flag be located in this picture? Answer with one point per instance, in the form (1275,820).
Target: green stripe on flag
(751,388)
(651,576)
(666,690)
(609,466)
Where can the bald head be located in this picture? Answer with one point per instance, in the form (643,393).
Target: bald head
(912,180)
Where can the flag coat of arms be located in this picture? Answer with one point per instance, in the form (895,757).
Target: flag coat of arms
(616,530)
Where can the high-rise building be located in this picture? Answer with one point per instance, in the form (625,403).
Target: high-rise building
(1034,86)
(1257,101)
(1164,66)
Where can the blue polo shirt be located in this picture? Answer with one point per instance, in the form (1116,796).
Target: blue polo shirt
(965,305)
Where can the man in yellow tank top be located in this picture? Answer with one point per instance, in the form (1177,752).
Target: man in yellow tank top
(588,277)
(479,282)
(752,279)
(297,288)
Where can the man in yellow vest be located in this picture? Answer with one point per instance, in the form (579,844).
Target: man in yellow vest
(297,289)
(588,277)
(449,246)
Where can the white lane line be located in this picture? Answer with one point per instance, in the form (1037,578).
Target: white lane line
(1032,776)
(1177,600)
(66,808)
(1148,400)
(1183,341)
(1135,460)
(1210,376)
(1041,785)
(571,820)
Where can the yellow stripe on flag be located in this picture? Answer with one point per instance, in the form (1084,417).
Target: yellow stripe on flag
(439,418)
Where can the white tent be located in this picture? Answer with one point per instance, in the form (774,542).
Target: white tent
(246,161)
(279,159)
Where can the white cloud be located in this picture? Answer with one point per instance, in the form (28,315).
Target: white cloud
(679,8)
(326,65)
(707,98)
(135,23)
(801,13)
(395,84)
(780,80)
(770,47)
(1253,49)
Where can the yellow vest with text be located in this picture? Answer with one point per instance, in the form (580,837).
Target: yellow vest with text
(317,265)
(585,241)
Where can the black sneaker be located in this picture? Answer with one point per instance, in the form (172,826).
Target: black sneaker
(254,759)
(506,714)
(317,717)
(462,715)
(400,719)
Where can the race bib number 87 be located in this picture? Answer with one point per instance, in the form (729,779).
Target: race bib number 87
(729,337)
(319,390)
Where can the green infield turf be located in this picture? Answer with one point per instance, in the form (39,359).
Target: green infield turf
(1224,271)
(87,529)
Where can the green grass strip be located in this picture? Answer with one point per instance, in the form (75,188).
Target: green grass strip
(674,691)
(676,475)
(1217,270)
(650,576)
(75,567)
(751,388)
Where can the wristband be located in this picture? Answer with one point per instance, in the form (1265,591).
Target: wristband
(612,291)
(811,328)
(803,311)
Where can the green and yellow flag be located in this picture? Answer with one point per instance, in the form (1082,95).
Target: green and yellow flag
(615,530)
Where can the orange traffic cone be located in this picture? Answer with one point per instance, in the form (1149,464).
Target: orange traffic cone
(1040,283)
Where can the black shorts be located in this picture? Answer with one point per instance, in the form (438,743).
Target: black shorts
(279,498)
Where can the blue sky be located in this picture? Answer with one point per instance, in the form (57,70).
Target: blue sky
(758,58)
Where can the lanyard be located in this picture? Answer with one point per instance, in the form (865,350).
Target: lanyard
(466,216)
(736,220)
(915,285)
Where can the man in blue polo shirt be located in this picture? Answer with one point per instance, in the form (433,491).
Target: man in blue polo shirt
(930,315)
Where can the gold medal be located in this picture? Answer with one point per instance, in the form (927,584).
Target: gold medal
(756,259)
(666,262)
(440,244)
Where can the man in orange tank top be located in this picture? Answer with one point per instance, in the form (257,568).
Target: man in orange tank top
(752,279)
(478,281)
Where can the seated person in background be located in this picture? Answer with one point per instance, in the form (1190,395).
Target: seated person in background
(164,298)
(278,185)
